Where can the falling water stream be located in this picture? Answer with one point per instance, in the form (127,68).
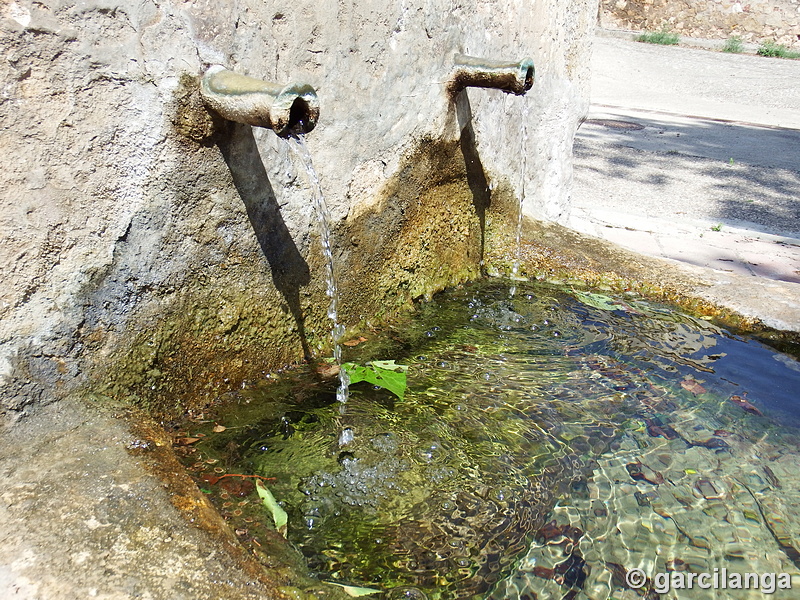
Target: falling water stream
(298,146)
(523,174)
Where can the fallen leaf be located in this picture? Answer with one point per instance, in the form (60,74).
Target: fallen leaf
(383,373)
(279,515)
(746,406)
(185,441)
(219,428)
(237,487)
(597,301)
(690,385)
(355,342)
(354,591)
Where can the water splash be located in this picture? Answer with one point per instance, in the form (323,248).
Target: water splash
(523,173)
(298,146)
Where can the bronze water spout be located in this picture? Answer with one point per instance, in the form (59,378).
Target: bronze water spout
(510,77)
(284,109)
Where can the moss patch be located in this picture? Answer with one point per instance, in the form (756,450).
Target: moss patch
(422,236)
(232,323)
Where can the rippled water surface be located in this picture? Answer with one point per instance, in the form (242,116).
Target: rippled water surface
(548,444)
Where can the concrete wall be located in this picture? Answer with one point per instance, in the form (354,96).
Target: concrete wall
(753,21)
(149,253)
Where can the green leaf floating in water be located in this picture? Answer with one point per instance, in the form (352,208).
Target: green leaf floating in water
(598,301)
(383,373)
(354,591)
(278,514)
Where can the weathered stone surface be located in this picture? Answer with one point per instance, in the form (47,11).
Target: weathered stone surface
(157,255)
(775,20)
(91,509)
(147,244)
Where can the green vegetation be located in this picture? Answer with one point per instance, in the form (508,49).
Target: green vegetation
(383,373)
(733,45)
(717,227)
(773,50)
(279,515)
(663,37)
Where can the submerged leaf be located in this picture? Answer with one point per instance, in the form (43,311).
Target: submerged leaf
(691,385)
(279,515)
(355,591)
(746,406)
(383,373)
(597,300)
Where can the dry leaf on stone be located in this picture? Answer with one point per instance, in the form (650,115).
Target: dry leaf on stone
(185,441)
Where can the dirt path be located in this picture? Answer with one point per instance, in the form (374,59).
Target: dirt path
(718,190)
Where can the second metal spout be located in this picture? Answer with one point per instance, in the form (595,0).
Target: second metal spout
(284,109)
(511,77)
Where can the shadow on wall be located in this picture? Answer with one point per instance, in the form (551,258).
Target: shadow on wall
(290,271)
(476,176)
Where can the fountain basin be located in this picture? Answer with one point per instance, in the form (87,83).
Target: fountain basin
(519,411)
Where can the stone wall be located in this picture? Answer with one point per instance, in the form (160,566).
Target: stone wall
(752,21)
(152,253)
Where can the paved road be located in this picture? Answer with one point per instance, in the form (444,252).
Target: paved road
(695,82)
(694,156)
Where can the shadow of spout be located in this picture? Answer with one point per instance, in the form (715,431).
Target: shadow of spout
(290,272)
(476,176)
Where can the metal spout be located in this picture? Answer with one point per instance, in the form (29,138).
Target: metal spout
(286,110)
(511,77)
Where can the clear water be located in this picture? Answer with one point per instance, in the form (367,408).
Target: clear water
(298,146)
(547,445)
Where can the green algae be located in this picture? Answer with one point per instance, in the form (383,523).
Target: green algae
(234,322)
